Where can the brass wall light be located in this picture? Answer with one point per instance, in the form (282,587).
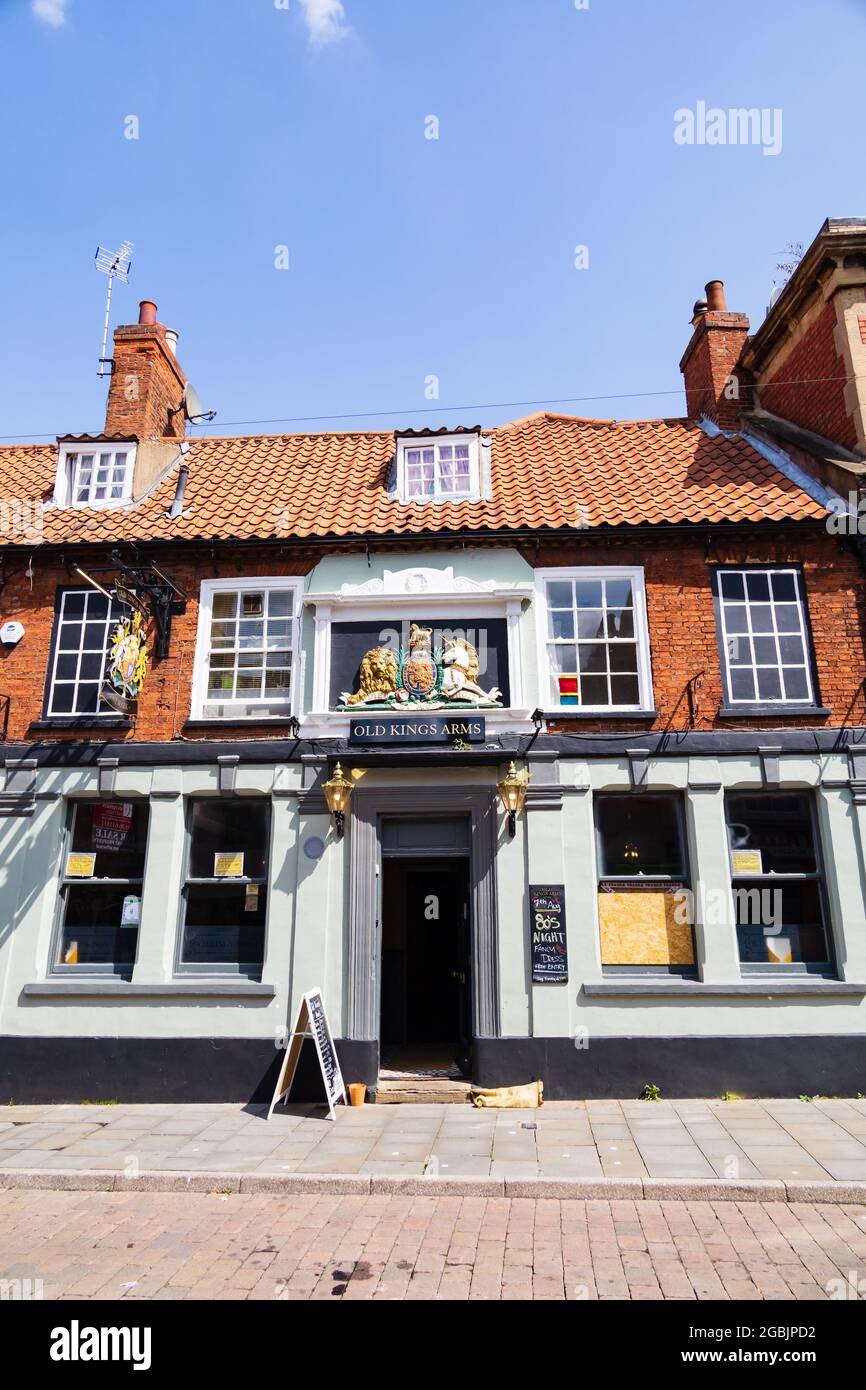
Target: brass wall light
(338,790)
(512,794)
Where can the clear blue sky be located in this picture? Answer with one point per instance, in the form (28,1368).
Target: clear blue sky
(408,257)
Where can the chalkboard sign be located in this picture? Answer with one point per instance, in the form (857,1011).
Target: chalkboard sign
(547,934)
(312,1023)
(331,1073)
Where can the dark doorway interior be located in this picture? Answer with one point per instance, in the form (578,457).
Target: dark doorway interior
(425,961)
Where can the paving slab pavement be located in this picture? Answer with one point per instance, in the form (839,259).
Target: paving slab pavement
(711,1142)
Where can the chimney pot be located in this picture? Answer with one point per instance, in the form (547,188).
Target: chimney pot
(715,291)
(147,311)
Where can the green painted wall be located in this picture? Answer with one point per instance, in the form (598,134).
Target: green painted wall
(307,914)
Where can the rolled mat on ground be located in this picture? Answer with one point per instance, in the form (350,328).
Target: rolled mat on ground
(527,1097)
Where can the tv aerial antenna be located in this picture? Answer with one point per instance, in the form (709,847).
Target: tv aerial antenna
(117,266)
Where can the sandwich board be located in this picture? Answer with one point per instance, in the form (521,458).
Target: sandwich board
(312,1022)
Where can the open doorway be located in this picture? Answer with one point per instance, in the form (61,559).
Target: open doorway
(426,1023)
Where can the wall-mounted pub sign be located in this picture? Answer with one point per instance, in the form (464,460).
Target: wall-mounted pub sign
(455,729)
(547,934)
(127,664)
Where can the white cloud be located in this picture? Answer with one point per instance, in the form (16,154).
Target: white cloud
(324,19)
(51,12)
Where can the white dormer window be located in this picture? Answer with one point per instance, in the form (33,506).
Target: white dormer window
(97,476)
(441,469)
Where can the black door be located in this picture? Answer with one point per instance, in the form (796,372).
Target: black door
(425,953)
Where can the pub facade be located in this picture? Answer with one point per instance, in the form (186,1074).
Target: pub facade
(540,749)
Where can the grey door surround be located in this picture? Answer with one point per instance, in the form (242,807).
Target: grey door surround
(369,805)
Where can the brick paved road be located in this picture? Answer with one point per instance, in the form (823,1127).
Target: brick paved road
(202,1246)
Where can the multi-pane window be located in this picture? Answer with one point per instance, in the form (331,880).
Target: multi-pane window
(84,632)
(225,892)
(437,470)
(596,643)
(764,636)
(101,886)
(776,881)
(645,908)
(105,475)
(247,640)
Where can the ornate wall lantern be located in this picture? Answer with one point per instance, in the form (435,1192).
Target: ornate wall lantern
(338,790)
(512,794)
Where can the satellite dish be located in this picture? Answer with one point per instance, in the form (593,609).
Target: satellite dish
(775,296)
(193,409)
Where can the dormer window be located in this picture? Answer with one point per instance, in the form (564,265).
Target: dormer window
(438,469)
(96,476)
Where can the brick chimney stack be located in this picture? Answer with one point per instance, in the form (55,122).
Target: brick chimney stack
(710,360)
(146,389)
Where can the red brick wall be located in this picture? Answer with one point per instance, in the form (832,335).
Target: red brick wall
(709,362)
(679,601)
(165,700)
(817,403)
(146,385)
(683,630)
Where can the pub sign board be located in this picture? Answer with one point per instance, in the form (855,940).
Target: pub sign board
(547,934)
(418,728)
(312,1022)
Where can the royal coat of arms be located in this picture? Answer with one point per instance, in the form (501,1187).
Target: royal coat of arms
(127,664)
(435,679)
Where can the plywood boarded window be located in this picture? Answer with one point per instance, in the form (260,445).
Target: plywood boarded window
(644,906)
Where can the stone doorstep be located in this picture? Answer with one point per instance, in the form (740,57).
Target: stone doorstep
(408,1184)
(410,1090)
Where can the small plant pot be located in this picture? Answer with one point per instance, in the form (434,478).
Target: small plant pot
(357,1092)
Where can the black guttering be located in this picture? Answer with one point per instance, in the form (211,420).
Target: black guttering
(388,540)
(708,744)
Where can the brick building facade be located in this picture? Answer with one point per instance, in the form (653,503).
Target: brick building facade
(594,692)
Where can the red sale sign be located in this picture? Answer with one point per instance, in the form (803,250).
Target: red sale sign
(111,824)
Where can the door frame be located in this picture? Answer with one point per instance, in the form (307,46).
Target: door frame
(369,806)
(441,861)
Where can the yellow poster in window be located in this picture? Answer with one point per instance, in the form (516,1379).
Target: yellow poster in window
(80,865)
(746,861)
(228,864)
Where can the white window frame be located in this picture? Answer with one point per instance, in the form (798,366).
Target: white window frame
(70,459)
(634,573)
(236,709)
(436,442)
(808,701)
(102,711)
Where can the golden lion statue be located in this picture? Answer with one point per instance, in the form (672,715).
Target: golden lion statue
(378,678)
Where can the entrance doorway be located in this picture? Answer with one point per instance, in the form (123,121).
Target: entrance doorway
(426,1025)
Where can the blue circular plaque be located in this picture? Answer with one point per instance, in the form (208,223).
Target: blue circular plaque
(314,848)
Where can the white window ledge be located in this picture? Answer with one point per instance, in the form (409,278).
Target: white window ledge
(768,989)
(240,988)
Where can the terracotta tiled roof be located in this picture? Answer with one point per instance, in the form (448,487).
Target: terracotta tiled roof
(547,471)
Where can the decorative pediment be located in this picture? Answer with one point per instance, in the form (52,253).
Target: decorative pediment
(419,581)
